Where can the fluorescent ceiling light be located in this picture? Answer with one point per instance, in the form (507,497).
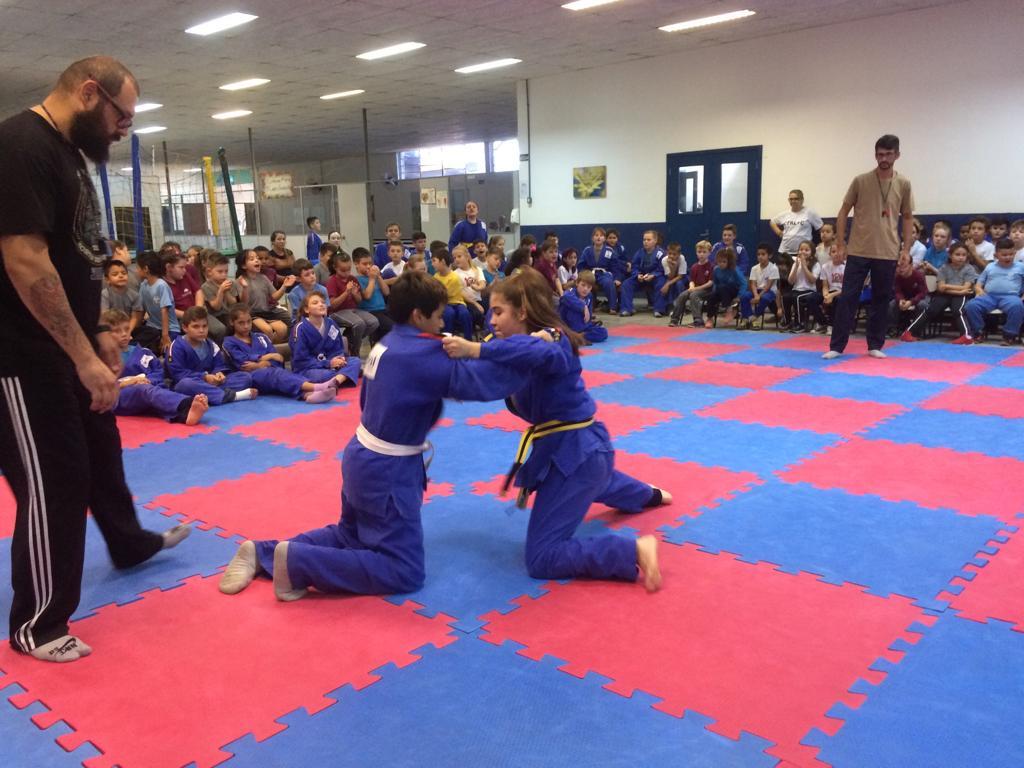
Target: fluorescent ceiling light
(192,170)
(233,113)
(342,94)
(707,20)
(127,170)
(147,106)
(487,65)
(213,26)
(252,82)
(581,5)
(391,50)
(151,129)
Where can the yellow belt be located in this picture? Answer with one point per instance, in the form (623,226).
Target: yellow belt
(536,432)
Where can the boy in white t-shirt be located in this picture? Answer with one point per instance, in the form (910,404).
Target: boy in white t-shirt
(1017,236)
(982,252)
(764,276)
(396,265)
(831,276)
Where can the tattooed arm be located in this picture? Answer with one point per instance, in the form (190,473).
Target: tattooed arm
(27,262)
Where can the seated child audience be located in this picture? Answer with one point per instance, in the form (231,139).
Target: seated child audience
(743,261)
(726,283)
(195,265)
(161,326)
(981,250)
(307,283)
(318,348)
(396,264)
(416,263)
(935,255)
(999,287)
(218,290)
(917,245)
(197,365)
(473,282)
(699,287)
(760,293)
(568,270)
(119,252)
(831,276)
(802,305)
(955,288)
(546,262)
(258,293)
(479,253)
(910,294)
(606,264)
(186,290)
(267,261)
(142,391)
(492,269)
(828,236)
(1017,238)
(674,266)
(419,248)
(998,228)
(613,240)
(345,294)
(647,275)
(521,257)
(576,308)
(374,291)
(324,267)
(456,316)
(118,293)
(252,352)
(392,232)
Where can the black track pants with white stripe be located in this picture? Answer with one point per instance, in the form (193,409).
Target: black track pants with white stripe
(60,459)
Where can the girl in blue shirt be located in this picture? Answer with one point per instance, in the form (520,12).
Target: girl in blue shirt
(726,284)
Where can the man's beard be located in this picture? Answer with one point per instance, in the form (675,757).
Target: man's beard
(88,133)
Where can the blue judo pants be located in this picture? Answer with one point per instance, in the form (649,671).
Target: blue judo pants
(277,381)
(144,399)
(458,320)
(1007,303)
(559,506)
(349,370)
(657,300)
(606,282)
(216,394)
(765,302)
(377,546)
(595,334)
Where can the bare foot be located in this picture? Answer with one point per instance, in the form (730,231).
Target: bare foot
(647,560)
(708,324)
(200,405)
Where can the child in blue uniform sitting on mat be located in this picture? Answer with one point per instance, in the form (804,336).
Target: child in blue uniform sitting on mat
(318,348)
(252,352)
(648,276)
(377,546)
(572,463)
(576,308)
(142,389)
(197,365)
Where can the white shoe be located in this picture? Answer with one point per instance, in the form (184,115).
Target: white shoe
(877,353)
(831,355)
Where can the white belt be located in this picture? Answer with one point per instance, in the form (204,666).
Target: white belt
(375,444)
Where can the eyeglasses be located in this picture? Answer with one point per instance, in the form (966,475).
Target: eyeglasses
(124,118)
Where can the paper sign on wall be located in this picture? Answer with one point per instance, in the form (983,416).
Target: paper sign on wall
(276,185)
(441,198)
(428,196)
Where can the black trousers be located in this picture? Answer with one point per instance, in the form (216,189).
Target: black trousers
(883,274)
(938,304)
(60,459)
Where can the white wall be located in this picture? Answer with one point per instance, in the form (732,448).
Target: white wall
(948,81)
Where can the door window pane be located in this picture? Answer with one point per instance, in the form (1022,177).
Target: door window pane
(734,188)
(691,189)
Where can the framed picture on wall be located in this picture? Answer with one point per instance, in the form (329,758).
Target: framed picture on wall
(590,182)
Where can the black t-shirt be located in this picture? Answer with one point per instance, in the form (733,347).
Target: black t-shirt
(45,190)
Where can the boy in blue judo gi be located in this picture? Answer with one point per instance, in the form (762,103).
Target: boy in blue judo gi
(576,308)
(197,365)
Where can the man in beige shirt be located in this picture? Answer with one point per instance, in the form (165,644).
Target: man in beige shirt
(878,198)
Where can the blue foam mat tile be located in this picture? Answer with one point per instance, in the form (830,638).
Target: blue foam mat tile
(1007,377)
(23,743)
(202,553)
(730,444)
(786,358)
(470,454)
(991,435)
(207,459)
(732,336)
(953,700)
(460,410)
(474,560)
(855,386)
(887,547)
(263,408)
(941,349)
(473,703)
(682,397)
(633,365)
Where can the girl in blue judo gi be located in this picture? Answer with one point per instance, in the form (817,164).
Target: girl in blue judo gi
(318,348)
(377,546)
(572,463)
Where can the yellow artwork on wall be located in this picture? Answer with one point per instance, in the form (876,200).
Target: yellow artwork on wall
(589,182)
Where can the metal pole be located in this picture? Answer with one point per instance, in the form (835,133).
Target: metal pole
(226,176)
(167,178)
(369,194)
(255,183)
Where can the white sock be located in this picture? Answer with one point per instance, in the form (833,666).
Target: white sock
(282,583)
(174,536)
(321,395)
(241,570)
(62,650)
(246,394)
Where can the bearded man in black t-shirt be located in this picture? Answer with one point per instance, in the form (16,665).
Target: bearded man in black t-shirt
(60,450)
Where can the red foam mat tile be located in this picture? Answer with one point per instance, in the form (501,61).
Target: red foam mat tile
(142,430)
(1016,361)
(997,589)
(813,342)
(276,504)
(619,419)
(750,647)
(169,680)
(970,483)
(984,401)
(911,368)
(8,510)
(600,378)
(325,430)
(816,413)
(721,373)
(652,331)
(686,350)
(694,488)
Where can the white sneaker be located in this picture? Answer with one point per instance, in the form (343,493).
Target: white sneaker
(876,353)
(831,355)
